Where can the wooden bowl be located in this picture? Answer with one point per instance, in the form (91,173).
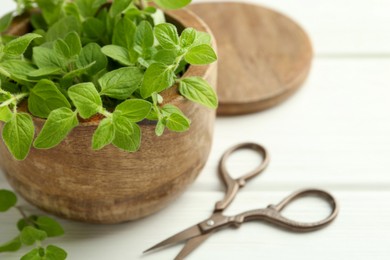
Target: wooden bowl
(113,186)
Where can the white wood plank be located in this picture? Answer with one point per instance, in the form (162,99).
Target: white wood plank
(334,132)
(362,231)
(339,27)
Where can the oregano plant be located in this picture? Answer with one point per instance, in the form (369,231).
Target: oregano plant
(33,231)
(88,59)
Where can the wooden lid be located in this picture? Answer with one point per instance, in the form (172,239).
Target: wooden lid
(264,56)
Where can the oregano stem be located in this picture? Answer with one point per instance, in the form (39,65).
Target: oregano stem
(2,71)
(14,99)
(156,106)
(6,103)
(2,91)
(105,113)
(21,96)
(38,244)
(24,215)
(157,109)
(177,61)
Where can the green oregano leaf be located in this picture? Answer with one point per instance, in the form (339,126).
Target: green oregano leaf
(201,55)
(202,38)
(104,134)
(62,28)
(44,98)
(86,99)
(167,36)
(5,114)
(143,62)
(8,200)
(118,54)
(134,109)
(78,72)
(157,78)
(152,115)
(121,83)
(171,109)
(144,35)
(124,33)
(34,254)
(50,226)
(118,6)
(61,48)
(167,57)
(122,123)
(92,53)
(58,125)
(5,21)
(73,41)
(129,143)
(51,10)
(19,45)
(47,58)
(42,252)
(170,4)
(30,234)
(22,223)
(187,37)
(160,127)
(177,123)
(89,8)
(17,70)
(18,134)
(198,90)
(55,253)
(70,8)
(93,28)
(4,93)
(11,246)
(45,72)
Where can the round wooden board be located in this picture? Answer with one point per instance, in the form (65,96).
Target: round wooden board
(264,56)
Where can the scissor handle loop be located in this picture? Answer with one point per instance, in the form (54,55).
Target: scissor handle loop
(233,185)
(273,214)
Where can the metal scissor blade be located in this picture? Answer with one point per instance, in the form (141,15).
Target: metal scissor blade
(191,245)
(184,235)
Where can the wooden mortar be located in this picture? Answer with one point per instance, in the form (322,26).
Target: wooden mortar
(110,185)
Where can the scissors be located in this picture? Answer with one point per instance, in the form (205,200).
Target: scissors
(198,233)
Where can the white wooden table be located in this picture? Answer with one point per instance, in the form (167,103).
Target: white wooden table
(333,134)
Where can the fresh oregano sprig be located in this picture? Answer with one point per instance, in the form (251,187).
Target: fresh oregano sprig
(33,231)
(91,58)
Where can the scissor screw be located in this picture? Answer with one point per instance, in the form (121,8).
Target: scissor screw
(210,222)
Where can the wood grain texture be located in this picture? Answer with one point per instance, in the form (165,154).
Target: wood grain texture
(333,134)
(110,185)
(337,28)
(264,56)
(361,231)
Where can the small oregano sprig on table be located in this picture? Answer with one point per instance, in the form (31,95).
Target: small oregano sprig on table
(33,230)
(90,58)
